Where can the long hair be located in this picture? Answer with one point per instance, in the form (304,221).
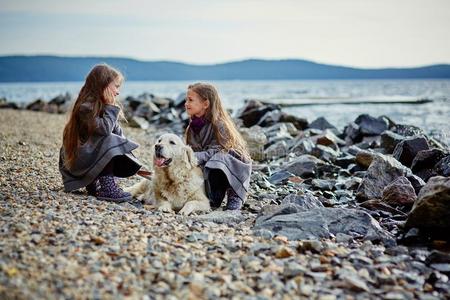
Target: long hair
(216,114)
(80,127)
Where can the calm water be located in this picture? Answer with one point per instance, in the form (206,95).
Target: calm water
(434,117)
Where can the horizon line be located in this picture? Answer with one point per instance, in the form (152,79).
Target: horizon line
(221,63)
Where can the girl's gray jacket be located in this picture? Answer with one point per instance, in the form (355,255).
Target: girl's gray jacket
(106,143)
(211,155)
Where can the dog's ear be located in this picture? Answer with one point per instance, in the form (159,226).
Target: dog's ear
(189,157)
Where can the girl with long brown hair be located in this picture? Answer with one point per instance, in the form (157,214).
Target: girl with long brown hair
(94,148)
(219,148)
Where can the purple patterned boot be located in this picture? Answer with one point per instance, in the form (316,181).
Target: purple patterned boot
(92,188)
(109,191)
(233,200)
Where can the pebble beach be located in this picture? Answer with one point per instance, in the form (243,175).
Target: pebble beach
(57,245)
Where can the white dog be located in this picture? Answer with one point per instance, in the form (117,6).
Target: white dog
(177,183)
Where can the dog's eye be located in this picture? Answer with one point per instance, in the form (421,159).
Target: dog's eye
(159,141)
(172,142)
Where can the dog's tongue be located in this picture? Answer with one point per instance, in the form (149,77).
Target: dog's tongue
(159,161)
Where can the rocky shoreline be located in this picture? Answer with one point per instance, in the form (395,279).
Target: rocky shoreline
(358,214)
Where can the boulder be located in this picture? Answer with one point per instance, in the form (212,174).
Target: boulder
(299,123)
(138,122)
(277,150)
(365,157)
(280,177)
(252,112)
(432,207)
(369,125)
(305,201)
(329,139)
(37,105)
(424,162)
(302,145)
(399,192)
(298,223)
(166,116)
(304,166)
(352,133)
(269,118)
(180,101)
(406,150)
(443,166)
(344,161)
(61,99)
(5,104)
(389,141)
(325,153)
(407,130)
(256,140)
(147,110)
(381,172)
(416,182)
(322,124)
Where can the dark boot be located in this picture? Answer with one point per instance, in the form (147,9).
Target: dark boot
(92,188)
(109,191)
(233,202)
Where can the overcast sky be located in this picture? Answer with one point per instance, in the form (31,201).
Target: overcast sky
(361,33)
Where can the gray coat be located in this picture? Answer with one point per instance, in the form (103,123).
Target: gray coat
(106,143)
(211,155)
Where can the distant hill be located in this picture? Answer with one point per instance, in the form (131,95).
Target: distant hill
(54,68)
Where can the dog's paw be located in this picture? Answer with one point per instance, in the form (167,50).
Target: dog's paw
(165,207)
(128,190)
(187,209)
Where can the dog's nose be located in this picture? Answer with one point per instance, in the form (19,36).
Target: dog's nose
(158,149)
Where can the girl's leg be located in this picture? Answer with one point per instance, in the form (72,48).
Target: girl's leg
(233,200)
(109,190)
(218,185)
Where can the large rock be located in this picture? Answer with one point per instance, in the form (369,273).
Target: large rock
(37,105)
(389,140)
(252,112)
(302,145)
(279,132)
(364,158)
(299,123)
(305,201)
(406,150)
(352,133)
(61,99)
(180,101)
(277,150)
(399,192)
(369,125)
(256,140)
(5,104)
(425,160)
(322,124)
(407,130)
(381,172)
(138,122)
(325,153)
(147,110)
(329,139)
(304,166)
(269,118)
(321,222)
(443,167)
(432,207)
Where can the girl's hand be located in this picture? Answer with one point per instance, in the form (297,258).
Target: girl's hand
(146,174)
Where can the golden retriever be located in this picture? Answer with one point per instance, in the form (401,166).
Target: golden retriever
(177,183)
